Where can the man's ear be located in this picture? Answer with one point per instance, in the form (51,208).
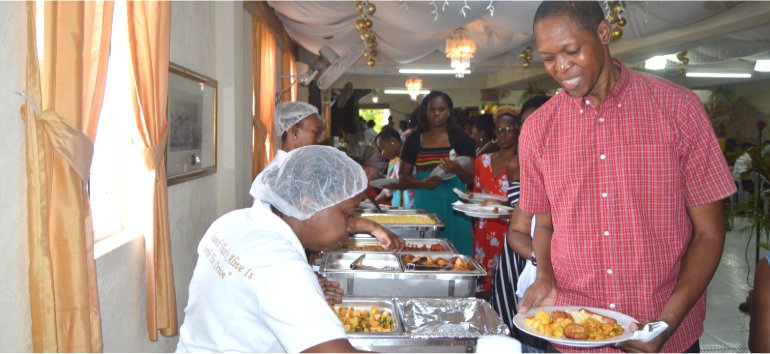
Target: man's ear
(604,31)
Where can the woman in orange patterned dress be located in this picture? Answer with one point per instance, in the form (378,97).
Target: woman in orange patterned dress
(491,177)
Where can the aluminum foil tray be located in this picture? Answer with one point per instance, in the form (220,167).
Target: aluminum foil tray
(383,305)
(454,318)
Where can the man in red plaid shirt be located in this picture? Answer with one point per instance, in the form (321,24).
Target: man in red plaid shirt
(626,177)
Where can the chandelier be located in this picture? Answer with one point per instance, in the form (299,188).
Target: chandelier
(460,50)
(413,86)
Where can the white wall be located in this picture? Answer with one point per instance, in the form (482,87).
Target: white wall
(14,294)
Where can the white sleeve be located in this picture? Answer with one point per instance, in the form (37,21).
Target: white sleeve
(294,308)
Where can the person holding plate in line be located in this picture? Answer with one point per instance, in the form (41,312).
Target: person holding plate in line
(491,177)
(437,142)
(389,143)
(626,178)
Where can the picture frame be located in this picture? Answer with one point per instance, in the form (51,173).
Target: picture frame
(191,145)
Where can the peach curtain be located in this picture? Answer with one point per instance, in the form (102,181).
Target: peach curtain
(148,35)
(64,98)
(288,71)
(263,68)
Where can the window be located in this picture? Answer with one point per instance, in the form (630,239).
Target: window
(113,180)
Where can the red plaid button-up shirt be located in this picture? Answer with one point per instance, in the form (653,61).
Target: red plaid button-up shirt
(618,180)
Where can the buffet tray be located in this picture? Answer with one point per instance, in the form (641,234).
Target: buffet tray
(367,243)
(400,282)
(383,304)
(408,225)
(435,325)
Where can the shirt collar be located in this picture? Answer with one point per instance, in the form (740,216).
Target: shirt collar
(616,91)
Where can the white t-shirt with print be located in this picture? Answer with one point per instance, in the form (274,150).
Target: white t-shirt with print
(253,291)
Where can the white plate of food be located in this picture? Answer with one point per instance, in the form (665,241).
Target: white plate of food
(484,211)
(383,182)
(474,197)
(464,161)
(525,322)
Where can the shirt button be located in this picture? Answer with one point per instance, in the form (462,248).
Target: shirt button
(609,271)
(606,233)
(604,195)
(601,120)
(612,306)
(602,156)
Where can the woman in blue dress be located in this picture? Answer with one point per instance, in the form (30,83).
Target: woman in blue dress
(436,142)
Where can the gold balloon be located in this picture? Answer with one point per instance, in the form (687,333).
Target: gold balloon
(681,72)
(525,64)
(622,22)
(374,53)
(370,62)
(617,33)
(370,8)
(686,61)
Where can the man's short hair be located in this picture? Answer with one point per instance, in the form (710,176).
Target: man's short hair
(585,14)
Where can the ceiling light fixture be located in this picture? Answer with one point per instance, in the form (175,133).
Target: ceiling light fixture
(460,50)
(720,75)
(429,71)
(403,92)
(762,65)
(413,86)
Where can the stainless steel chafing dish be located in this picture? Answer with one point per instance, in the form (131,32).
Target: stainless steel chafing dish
(367,243)
(382,274)
(408,225)
(435,325)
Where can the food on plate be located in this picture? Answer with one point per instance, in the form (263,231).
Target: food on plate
(580,325)
(410,247)
(391,219)
(372,320)
(457,263)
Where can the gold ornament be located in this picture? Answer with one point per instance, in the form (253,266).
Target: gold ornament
(686,61)
(366,53)
(359,7)
(622,22)
(529,58)
(370,62)
(370,8)
(368,23)
(614,17)
(365,35)
(617,33)
(617,8)
(360,24)
(681,72)
(373,53)
(523,55)
(525,64)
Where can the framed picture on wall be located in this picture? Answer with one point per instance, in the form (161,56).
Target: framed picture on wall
(191,145)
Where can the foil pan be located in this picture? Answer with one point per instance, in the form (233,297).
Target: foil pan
(459,318)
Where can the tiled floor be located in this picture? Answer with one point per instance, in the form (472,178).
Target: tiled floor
(726,328)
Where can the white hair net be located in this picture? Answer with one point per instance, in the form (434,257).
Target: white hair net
(290,113)
(308,180)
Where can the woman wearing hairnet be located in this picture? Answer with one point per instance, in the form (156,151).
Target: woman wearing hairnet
(252,289)
(298,125)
